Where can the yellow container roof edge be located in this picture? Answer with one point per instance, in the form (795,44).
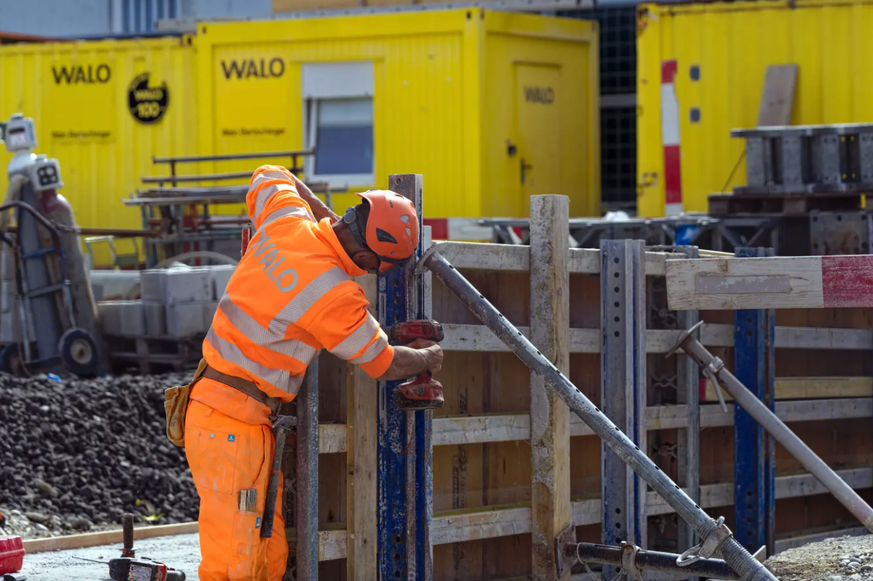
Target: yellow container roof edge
(551,27)
(96,45)
(346,26)
(676,9)
(397,24)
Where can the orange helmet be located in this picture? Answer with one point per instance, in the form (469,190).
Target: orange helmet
(392,227)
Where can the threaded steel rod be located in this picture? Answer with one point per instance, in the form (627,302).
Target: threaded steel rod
(746,567)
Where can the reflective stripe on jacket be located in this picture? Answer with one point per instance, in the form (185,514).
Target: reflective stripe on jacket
(290,296)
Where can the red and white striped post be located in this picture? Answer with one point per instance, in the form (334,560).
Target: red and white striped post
(670,139)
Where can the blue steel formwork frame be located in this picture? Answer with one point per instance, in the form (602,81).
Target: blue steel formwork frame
(754,450)
(405,447)
(623,387)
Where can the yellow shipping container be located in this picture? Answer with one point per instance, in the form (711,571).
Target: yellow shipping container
(722,52)
(80,95)
(491,107)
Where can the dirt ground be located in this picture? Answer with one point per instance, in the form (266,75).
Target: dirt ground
(837,559)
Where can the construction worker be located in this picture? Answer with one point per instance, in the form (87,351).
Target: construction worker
(290,296)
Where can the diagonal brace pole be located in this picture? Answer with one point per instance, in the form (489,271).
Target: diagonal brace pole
(714,368)
(716,537)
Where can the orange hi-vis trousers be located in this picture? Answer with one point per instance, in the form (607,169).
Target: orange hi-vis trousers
(226,456)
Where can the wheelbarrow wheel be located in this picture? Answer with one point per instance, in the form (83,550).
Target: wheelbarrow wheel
(10,360)
(79,353)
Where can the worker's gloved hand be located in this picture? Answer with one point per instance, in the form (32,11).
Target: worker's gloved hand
(431,351)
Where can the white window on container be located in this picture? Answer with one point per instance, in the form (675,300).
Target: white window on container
(338,106)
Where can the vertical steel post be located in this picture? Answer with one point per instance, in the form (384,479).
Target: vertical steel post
(405,449)
(754,450)
(689,438)
(623,387)
(307,476)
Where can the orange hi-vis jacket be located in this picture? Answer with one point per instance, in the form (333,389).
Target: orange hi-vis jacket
(290,296)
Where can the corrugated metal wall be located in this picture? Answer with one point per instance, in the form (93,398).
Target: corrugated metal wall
(77,94)
(731,46)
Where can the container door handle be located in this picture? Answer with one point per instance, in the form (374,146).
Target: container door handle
(524,166)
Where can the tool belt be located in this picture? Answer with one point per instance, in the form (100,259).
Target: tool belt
(176,399)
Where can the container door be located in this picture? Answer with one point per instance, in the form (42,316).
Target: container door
(538,131)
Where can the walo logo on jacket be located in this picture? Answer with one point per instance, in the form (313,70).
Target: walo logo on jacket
(266,250)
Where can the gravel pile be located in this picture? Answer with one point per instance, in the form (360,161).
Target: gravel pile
(77,454)
(838,559)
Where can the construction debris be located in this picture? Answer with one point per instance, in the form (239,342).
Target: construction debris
(76,454)
(837,559)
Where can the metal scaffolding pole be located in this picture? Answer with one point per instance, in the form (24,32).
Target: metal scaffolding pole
(634,561)
(405,446)
(623,387)
(754,450)
(716,537)
(714,368)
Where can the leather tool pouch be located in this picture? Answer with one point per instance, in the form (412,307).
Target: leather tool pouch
(176,407)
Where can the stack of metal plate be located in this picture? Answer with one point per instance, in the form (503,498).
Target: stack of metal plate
(808,159)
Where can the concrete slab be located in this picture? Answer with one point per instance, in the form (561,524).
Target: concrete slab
(220,276)
(181,552)
(186,319)
(155,319)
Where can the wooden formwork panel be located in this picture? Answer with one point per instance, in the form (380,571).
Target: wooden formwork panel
(482,436)
(795,369)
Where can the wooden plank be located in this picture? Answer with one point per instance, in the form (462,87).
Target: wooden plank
(481,429)
(495,522)
(780,282)
(817,338)
(332,438)
(549,416)
(362,463)
(810,388)
(449,431)
(106,537)
(457,527)
(332,544)
(777,99)
(480,338)
(744,283)
(795,486)
(486,256)
(516,258)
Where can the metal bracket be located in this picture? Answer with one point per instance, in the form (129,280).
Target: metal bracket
(421,265)
(682,337)
(709,547)
(666,450)
(711,371)
(629,553)
(565,550)
(665,382)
